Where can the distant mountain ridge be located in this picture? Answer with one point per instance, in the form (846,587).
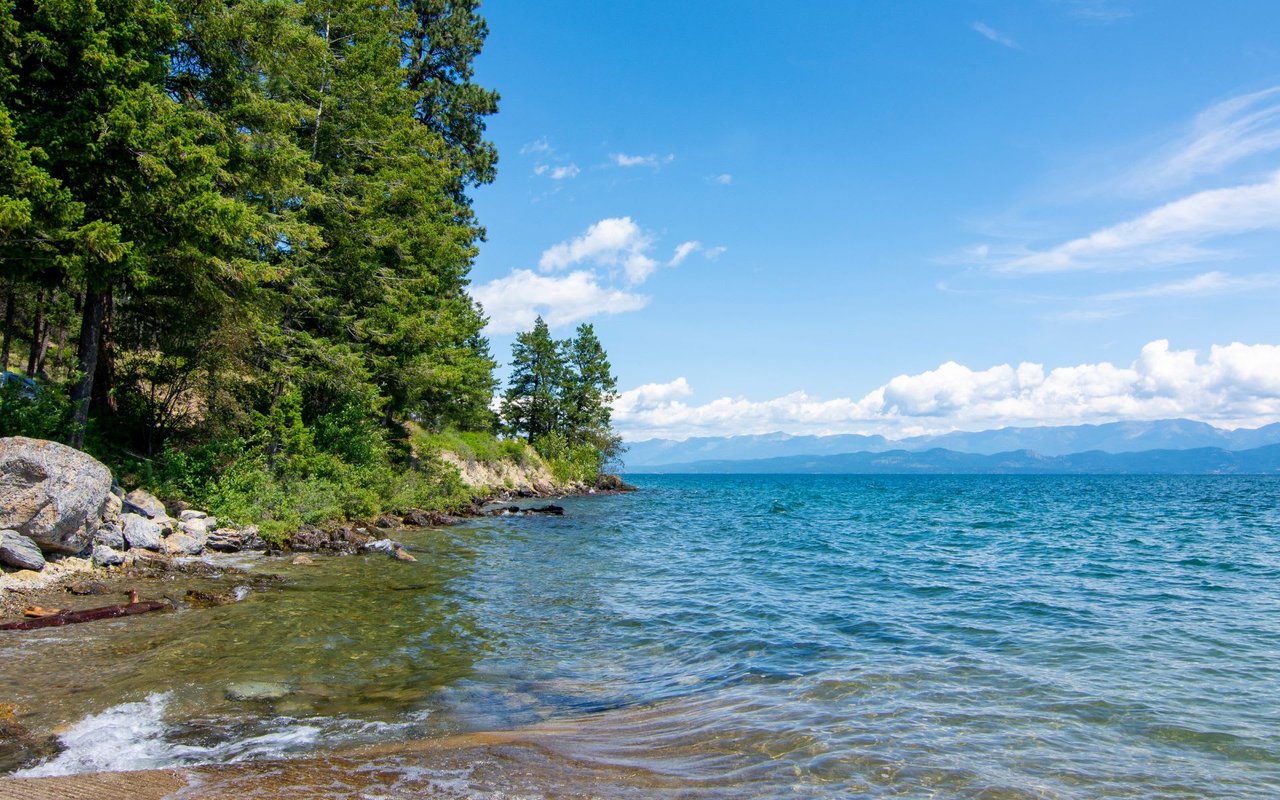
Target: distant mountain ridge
(939,461)
(1050,441)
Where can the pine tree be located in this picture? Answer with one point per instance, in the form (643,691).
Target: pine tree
(531,405)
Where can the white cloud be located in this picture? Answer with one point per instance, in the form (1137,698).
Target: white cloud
(1208,283)
(723,179)
(536,146)
(513,302)
(562,172)
(652,160)
(1235,385)
(1172,233)
(994,35)
(613,242)
(712,253)
(1221,135)
(683,251)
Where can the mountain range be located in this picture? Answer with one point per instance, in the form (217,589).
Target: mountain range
(1147,446)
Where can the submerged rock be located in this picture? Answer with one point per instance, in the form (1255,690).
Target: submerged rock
(257,690)
(88,588)
(19,551)
(401,554)
(199,599)
(53,494)
(18,746)
(302,561)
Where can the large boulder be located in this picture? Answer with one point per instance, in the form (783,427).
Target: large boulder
(53,494)
(18,551)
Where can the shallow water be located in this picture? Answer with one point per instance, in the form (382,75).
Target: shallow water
(753,636)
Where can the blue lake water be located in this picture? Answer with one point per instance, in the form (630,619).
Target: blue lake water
(785,636)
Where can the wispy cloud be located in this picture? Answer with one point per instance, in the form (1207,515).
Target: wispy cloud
(1203,285)
(995,35)
(1223,134)
(723,179)
(536,146)
(1173,233)
(550,163)
(683,251)
(1235,384)
(652,160)
(1103,12)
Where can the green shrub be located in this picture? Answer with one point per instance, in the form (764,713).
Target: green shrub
(46,414)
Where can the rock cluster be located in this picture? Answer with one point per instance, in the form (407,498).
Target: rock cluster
(57,502)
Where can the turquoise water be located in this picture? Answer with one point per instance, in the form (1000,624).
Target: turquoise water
(787,636)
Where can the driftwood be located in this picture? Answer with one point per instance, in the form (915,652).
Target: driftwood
(88,615)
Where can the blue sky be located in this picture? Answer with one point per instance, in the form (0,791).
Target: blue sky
(893,217)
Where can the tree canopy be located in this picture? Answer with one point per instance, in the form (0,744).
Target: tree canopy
(223,223)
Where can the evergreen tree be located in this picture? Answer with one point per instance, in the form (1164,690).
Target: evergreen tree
(531,405)
(559,398)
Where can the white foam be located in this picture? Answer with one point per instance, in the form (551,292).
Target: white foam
(127,736)
(133,736)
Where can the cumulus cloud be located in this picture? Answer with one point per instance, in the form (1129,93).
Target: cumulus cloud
(613,242)
(995,35)
(514,302)
(1173,233)
(652,160)
(1233,385)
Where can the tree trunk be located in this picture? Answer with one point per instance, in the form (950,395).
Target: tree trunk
(103,401)
(33,358)
(9,310)
(44,348)
(87,363)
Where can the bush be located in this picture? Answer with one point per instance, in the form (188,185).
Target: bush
(42,413)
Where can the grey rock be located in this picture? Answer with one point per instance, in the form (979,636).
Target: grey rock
(113,509)
(51,493)
(111,535)
(104,556)
(140,501)
(19,551)
(141,532)
(197,527)
(184,544)
(230,540)
(190,514)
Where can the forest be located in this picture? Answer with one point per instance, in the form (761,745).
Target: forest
(235,240)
